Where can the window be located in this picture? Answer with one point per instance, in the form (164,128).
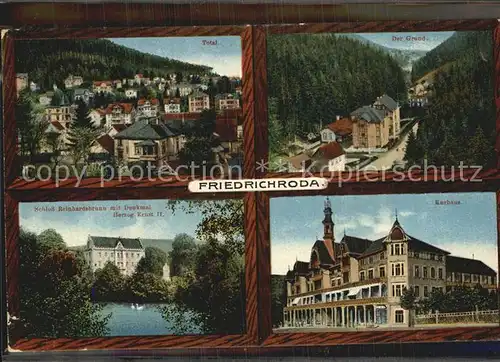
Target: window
(424,272)
(392,249)
(432,256)
(370,259)
(426,291)
(399,316)
(417,271)
(396,249)
(362,276)
(370,274)
(99,253)
(433,273)
(416,289)
(397,289)
(381,271)
(416,255)
(398,269)
(440,273)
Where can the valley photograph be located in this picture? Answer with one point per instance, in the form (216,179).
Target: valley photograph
(384,262)
(131,104)
(380,101)
(130,268)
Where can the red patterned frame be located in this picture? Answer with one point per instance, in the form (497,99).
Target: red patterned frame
(376,183)
(18,190)
(257,250)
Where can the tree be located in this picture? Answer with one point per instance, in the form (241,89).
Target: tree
(56,144)
(31,124)
(182,256)
(479,150)
(177,93)
(55,291)
(179,77)
(278,299)
(200,141)
(82,117)
(153,261)
(108,284)
(147,287)
(81,139)
(276,131)
(408,301)
(215,293)
(50,240)
(221,220)
(414,151)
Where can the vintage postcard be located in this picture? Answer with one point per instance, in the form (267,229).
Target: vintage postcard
(381,101)
(129,268)
(385,262)
(164,104)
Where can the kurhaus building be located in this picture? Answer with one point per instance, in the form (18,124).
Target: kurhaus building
(358,282)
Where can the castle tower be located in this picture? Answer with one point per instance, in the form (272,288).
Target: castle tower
(328,226)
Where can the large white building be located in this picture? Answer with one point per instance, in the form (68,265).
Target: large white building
(125,253)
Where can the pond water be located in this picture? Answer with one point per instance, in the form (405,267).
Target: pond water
(127,321)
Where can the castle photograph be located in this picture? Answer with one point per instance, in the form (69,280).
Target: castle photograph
(414,267)
(128,268)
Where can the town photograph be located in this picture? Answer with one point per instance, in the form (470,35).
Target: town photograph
(130,104)
(130,268)
(380,101)
(385,262)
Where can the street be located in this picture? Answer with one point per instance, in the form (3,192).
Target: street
(386,160)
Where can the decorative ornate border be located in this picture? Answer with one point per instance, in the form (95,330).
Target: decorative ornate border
(19,190)
(380,183)
(257,218)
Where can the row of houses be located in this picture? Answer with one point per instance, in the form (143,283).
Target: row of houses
(139,134)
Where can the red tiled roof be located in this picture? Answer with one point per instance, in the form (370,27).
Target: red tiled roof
(154,101)
(139,75)
(341,127)
(106,142)
(172,100)
(300,161)
(119,127)
(98,83)
(185,115)
(330,151)
(57,125)
(127,107)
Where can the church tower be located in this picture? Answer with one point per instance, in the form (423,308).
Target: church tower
(327,222)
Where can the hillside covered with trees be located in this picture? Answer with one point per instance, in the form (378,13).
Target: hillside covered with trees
(459,45)
(313,78)
(460,121)
(51,61)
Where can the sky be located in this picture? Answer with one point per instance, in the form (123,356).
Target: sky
(416,41)
(464,229)
(224,57)
(77,225)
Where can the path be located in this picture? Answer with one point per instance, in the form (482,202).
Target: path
(386,160)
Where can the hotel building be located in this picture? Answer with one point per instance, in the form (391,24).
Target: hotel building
(358,282)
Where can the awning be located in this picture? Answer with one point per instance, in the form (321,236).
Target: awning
(353,291)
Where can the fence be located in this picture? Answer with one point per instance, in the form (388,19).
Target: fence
(482,316)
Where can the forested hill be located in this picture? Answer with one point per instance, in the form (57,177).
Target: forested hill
(405,57)
(455,47)
(460,122)
(49,61)
(313,78)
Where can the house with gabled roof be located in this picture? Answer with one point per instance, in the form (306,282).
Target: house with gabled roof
(148,140)
(358,282)
(374,126)
(119,113)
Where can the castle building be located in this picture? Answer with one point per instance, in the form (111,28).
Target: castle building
(359,282)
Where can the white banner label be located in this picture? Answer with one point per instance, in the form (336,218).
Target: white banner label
(251,185)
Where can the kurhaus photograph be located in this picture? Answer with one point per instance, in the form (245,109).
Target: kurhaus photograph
(130,268)
(380,101)
(148,102)
(385,262)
